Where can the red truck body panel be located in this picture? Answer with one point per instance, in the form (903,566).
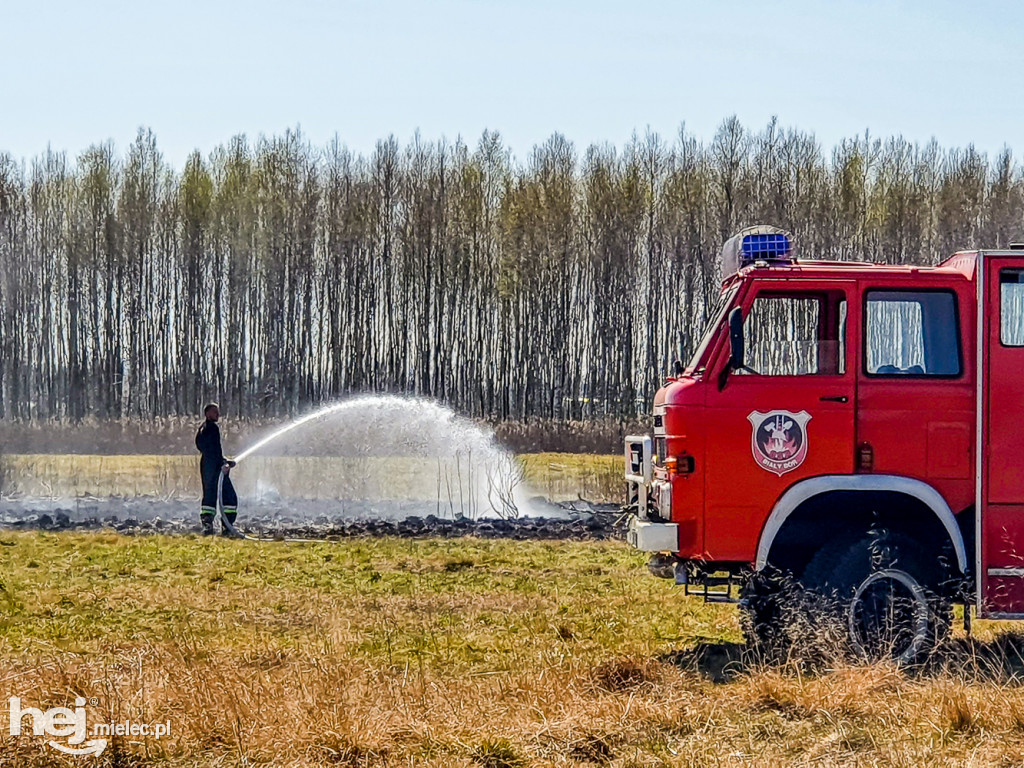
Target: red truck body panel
(1001,492)
(729,444)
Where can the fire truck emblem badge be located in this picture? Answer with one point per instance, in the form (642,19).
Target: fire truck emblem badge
(778,440)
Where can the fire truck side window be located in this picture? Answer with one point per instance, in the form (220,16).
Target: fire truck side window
(795,335)
(911,333)
(1011,307)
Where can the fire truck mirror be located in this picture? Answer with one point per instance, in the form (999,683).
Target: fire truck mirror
(736,339)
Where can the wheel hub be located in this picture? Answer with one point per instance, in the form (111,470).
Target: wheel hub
(888,616)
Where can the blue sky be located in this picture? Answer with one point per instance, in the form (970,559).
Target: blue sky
(197,73)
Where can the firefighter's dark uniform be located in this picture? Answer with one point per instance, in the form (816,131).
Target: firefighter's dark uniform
(210,467)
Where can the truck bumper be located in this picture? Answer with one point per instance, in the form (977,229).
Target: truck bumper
(653,537)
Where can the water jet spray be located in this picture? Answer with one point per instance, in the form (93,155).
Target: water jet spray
(477,474)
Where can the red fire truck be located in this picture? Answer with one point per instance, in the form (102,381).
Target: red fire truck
(854,428)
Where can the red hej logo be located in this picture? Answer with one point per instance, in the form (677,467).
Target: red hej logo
(778,440)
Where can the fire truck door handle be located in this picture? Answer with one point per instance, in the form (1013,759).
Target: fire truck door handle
(835,399)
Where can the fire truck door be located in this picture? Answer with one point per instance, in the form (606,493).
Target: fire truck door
(788,416)
(1002,476)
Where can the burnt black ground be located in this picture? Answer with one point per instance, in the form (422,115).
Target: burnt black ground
(314,520)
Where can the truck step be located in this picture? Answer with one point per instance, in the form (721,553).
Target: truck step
(715,589)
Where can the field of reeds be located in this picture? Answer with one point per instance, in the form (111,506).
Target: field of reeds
(398,652)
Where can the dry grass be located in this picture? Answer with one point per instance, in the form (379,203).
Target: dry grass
(556,476)
(465,653)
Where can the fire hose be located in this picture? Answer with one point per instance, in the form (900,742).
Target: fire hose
(239,534)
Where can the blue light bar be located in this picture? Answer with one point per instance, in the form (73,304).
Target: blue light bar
(766,245)
(756,244)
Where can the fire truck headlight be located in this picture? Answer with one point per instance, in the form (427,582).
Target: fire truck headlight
(665,500)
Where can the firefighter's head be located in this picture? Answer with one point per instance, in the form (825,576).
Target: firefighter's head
(212,412)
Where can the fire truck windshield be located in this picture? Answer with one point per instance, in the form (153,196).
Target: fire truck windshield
(716,316)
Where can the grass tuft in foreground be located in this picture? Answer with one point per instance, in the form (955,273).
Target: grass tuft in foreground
(451,653)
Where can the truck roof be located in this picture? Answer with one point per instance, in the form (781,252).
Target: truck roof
(961,265)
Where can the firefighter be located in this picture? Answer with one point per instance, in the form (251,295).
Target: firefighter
(212,464)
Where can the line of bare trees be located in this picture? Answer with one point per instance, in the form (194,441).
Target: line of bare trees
(279,275)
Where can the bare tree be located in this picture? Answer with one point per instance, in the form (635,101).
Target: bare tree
(279,275)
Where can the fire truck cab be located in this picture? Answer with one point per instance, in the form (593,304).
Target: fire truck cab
(855,428)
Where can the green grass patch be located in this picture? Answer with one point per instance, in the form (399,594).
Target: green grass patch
(466,604)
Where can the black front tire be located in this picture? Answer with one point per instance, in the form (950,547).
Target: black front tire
(881,592)
(763,618)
